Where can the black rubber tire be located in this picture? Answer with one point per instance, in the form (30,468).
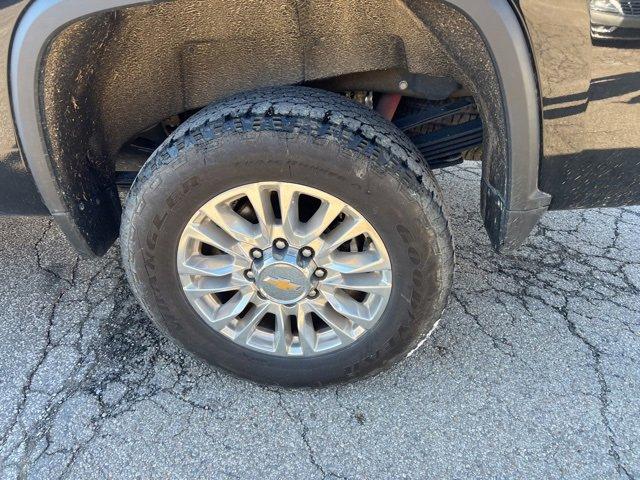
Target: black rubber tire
(304,136)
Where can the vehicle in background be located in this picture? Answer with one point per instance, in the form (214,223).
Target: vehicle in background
(615,19)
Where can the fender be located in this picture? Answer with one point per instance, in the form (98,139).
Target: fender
(512,202)
(513,207)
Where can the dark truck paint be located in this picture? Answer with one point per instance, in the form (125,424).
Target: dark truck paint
(83,77)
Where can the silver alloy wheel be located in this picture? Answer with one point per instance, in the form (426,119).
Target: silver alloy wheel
(284,269)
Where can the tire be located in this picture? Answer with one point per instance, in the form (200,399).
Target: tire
(306,137)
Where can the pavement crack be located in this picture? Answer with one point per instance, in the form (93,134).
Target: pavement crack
(500,343)
(603,396)
(297,417)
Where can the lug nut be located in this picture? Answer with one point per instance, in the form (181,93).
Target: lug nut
(320,273)
(280,244)
(250,275)
(307,252)
(313,293)
(256,253)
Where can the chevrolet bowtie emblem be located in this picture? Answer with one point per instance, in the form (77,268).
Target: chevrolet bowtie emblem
(283,284)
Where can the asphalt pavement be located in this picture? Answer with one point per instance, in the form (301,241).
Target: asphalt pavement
(534,371)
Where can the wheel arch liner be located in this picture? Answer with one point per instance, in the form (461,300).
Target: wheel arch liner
(37,26)
(510,208)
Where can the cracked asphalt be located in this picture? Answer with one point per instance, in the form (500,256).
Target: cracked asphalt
(533,372)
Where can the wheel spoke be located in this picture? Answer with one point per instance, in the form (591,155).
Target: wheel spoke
(213,235)
(282,334)
(208,266)
(250,322)
(358,262)
(289,210)
(209,285)
(234,307)
(346,306)
(350,228)
(371,282)
(306,333)
(340,325)
(260,199)
(233,224)
(318,223)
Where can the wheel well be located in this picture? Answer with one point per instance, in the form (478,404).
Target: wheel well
(111,75)
(134,67)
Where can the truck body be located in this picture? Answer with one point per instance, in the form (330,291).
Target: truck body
(90,89)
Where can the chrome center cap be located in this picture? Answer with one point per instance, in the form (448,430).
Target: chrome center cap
(283,283)
(283,276)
